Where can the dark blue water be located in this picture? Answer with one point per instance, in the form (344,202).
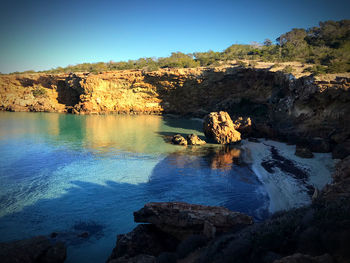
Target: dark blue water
(70,174)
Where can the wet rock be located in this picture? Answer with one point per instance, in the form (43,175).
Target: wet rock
(301,258)
(179,140)
(36,249)
(219,127)
(193,139)
(303,152)
(144,239)
(183,220)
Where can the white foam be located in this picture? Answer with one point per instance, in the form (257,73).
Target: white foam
(286,192)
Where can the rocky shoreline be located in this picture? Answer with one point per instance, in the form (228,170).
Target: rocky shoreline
(313,114)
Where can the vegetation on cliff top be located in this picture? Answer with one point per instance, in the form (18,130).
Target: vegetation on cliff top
(327,47)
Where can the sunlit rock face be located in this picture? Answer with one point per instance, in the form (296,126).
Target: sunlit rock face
(295,109)
(219,127)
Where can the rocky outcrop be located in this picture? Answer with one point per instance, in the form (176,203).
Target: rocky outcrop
(33,250)
(179,140)
(193,139)
(219,127)
(174,231)
(182,219)
(279,105)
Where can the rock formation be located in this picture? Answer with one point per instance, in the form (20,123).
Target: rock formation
(182,220)
(33,250)
(179,140)
(175,228)
(219,127)
(279,106)
(193,139)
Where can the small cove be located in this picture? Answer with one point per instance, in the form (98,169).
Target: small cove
(72,174)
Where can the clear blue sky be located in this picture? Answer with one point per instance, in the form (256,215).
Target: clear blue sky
(44,34)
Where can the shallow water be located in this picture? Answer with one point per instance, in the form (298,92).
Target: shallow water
(71,174)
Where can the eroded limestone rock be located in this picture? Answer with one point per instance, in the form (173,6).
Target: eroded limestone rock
(219,127)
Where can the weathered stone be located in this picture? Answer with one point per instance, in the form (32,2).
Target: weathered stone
(36,249)
(182,219)
(179,140)
(219,127)
(144,239)
(193,139)
(303,152)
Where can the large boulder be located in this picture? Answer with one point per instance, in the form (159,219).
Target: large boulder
(219,127)
(183,220)
(36,249)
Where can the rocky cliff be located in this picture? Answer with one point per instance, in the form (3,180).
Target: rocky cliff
(299,109)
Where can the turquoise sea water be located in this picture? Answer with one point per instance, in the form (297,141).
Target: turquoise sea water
(72,174)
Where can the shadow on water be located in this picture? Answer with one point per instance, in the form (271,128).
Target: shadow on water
(88,215)
(182,123)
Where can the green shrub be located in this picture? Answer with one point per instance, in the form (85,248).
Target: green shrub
(39,92)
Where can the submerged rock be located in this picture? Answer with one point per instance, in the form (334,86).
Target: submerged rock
(36,249)
(182,219)
(219,127)
(179,140)
(303,152)
(193,139)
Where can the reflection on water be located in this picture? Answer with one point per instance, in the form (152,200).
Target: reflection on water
(57,170)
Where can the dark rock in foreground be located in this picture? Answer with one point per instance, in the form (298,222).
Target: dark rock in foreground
(36,249)
(144,239)
(182,219)
(219,127)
